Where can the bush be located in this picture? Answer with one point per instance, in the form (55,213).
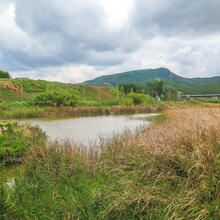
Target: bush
(53,98)
(149,100)
(137,98)
(127,101)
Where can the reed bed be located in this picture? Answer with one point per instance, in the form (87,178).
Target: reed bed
(170,171)
(35,112)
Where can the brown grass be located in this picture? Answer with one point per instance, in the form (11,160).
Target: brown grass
(184,152)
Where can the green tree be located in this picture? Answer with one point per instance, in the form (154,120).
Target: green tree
(155,89)
(4,74)
(130,87)
(170,93)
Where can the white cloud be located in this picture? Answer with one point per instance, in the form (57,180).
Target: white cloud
(117,12)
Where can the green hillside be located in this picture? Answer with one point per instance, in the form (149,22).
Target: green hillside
(24,89)
(141,77)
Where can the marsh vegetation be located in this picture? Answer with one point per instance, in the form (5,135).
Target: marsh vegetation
(170,171)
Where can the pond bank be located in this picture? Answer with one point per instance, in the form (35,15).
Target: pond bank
(35,112)
(16,140)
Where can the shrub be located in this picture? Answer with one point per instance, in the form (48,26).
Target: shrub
(137,98)
(53,98)
(127,101)
(149,100)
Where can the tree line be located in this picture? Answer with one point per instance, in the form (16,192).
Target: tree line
(4,74)
(155,89)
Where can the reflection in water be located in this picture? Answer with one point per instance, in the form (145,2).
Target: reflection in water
(88,129)
(7,173)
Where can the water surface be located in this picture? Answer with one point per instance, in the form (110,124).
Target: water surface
(89,129)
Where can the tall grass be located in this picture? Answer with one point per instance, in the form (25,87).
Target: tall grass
(170,171)
(33,111)
(16,139)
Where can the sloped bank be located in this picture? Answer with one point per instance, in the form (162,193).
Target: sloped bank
(16,140)
(33,112)
(171,171)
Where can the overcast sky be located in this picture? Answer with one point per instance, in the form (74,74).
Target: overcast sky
(77,40)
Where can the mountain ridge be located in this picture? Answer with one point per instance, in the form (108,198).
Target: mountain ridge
(142,76)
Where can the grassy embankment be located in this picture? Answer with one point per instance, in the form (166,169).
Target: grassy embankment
(171,171)
(17,97)
(15,141)
(24,90)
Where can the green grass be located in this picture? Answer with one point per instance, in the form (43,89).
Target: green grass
(209,100)
(171,171)
(27,109)
(31,88)
(16,139)
(106,109)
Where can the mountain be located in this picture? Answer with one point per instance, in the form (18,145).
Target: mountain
(141,77)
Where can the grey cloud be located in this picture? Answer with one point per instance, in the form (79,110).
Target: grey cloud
(65,32)
(177,17)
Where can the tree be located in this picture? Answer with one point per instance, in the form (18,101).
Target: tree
(170,94)
(155,89)
(4,74)
(130,87)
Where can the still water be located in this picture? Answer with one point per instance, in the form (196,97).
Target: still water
(89,129)
(83,130)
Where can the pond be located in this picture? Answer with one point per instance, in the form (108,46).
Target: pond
(86,130)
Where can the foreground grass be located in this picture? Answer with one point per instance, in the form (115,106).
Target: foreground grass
(171,171)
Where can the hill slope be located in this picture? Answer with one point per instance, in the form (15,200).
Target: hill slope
(141,77)
(24,89)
